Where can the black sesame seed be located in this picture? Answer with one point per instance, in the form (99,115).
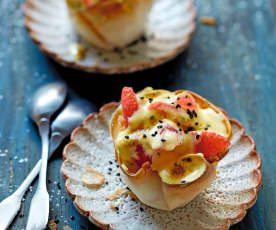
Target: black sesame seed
(189,159)
(117,50)
(194,113)
(154,134)
(106,183)
(144,136)
(186,131)
(133,199)
(190,114)
(168,97)
(178,124)
(178,98)
(21,215)
(141,209)
(72,218)
(127,188)
(117,166)
(180,129)
(206,128)
(189,104)
(172,103)
(118,174)
(183,182)
(56,220)
(151,117)
(197,136)
(150,100)
(189,129)
(133,43)
(163,140)
(49,181)
(141,98)
(196,123)
(178,106)
(109,173)
(161,121)
(127,137)
(58,185)
(160,126)
(110,162)
(186,96)
(110,169)
(143,39)
(116,208)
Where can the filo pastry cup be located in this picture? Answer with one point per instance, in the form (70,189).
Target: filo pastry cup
(148,186)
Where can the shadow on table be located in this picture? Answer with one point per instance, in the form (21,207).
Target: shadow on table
(100,88)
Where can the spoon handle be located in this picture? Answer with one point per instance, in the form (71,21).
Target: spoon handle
(39,209)
(11,205)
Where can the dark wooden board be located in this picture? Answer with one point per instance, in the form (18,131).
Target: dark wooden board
(233,64)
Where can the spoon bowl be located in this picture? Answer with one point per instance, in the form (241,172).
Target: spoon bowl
(47,100)
(71,116)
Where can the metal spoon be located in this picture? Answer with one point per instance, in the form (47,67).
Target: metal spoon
(45,102)
(71,117)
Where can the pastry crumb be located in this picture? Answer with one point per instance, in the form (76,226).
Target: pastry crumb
(114,207)
(77,51)
(207,20)
(92,178)
(115,195)
(52,225)
(132,195)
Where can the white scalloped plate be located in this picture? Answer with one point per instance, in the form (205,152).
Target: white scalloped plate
(168,32)
(222,204)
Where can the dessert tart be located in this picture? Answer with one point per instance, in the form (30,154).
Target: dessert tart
(102,189)
(168,144)
(166,28)
(110,24)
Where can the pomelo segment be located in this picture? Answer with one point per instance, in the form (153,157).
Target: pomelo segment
(129,103)
(187,102)
(210,144)
(88,3)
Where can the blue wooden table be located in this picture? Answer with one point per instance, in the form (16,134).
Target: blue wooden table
(233,64)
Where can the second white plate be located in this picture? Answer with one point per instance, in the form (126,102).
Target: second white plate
(169,29)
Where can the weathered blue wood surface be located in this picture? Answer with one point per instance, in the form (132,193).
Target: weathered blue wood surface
(232,64)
